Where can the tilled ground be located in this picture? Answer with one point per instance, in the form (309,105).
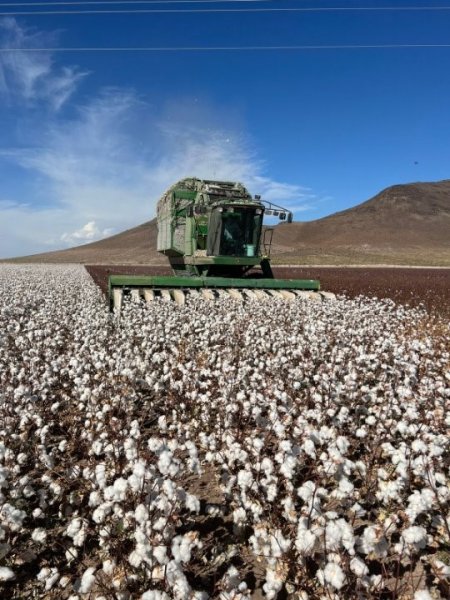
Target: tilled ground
(430,287)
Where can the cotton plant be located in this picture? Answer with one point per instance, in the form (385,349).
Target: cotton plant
(200,451)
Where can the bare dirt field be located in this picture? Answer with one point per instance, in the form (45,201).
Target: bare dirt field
(430,287)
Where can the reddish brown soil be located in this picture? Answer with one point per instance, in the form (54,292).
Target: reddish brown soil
(406,286)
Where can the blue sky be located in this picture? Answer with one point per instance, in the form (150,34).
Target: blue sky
(89,140)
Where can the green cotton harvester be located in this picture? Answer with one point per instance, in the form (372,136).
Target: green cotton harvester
(212,233)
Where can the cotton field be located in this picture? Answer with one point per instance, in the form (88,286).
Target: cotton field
(219,450)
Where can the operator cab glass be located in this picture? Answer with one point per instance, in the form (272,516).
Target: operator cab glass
(234,231)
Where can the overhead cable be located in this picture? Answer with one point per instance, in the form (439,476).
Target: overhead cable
(112,2)
(316,9)
(224,48)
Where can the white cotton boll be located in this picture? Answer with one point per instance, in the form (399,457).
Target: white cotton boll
(160,553)
(422,595)
(289,512)
(441,568)
(182,546)
(95,498)
(244,479)
(373,540)
(192,503)
(359,567)
(12,517)
(155,595)
(100,475)
(258,444)
(306,491)
(274,582)
(39,535)
(419,447)
(37,513)
(160,523)
(332,574)
(6,574)
(167,464)
(333,536)
(50,576)
(135,558)
(101,512)
(120,486)
(154,444)
(267,466)
(309,448)
(77,531)
(141,514)
(288,466)
(343,444)
(344,489)
(87,581)
(108,566)
(305,542)
(239,516)
(415,536)
(21,458)
(71,554)
(130,449)
(177,581)
(231,579)
(358,510)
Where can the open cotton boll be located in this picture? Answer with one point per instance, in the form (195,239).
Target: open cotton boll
(87,581)
(422,595)
(155,595)
(182,546)
(39,535)
(415,536)
(332,574)
(6,574)
(359,567)
(12,517)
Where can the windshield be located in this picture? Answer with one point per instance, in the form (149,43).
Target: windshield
(240,233)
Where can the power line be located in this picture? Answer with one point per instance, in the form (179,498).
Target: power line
(316,9)
(112,2)
(225,48)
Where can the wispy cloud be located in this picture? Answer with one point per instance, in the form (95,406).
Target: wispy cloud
(32,77)
(104,168)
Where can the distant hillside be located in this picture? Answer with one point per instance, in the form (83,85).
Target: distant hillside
(136,246)
(403,224)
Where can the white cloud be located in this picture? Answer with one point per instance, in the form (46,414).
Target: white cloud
(87,233)
(104,169)
(33,76)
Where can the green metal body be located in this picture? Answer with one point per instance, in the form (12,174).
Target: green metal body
(211,233)
(211,228)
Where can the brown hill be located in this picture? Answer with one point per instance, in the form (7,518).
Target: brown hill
(136,246)
(403,224)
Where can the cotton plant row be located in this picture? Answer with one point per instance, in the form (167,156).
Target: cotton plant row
(209,450)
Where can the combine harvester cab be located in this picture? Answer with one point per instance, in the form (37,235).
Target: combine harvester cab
(212,233)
